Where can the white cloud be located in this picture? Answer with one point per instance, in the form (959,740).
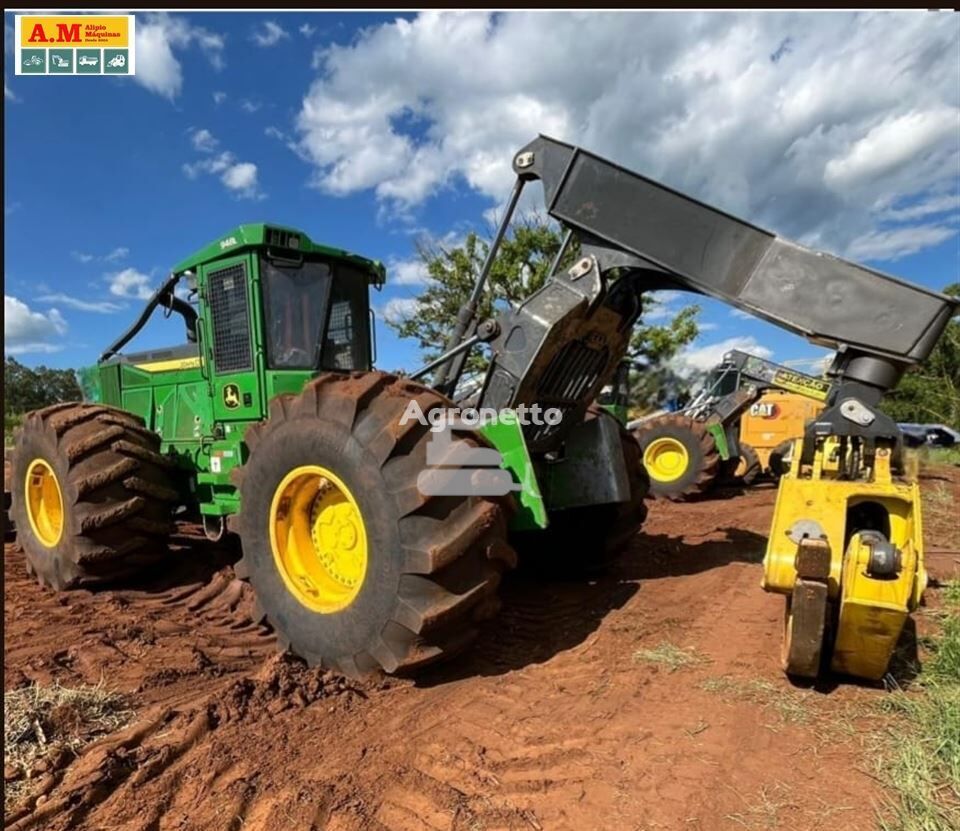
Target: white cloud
(307,30)
(25,330)
(130,283)
(741,314)
(407,273)
(118,253)
(215,164)
(240,178)
(929,207)
(694,359)
(158,36)
(99,306)
(249,106)
(898,242)
(270,34)
(203,141)
(815,366)
(891,145)
(800,122)
(32,348)
(398,309)
(219,97)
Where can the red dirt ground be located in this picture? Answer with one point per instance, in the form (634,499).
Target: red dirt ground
(550,722)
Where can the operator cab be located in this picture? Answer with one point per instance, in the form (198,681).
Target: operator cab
(265,309)
(272,290)
(315,315)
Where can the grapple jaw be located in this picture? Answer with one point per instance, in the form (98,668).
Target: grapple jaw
(848,555)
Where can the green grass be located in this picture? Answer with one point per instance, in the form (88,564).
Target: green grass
(919,756)
(670,656)
(951,594)
(941,455)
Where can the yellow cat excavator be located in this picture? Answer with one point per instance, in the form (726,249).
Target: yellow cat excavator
(740,424)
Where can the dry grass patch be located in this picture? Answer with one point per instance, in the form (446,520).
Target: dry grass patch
(791,706)
(45,727)
(670,656)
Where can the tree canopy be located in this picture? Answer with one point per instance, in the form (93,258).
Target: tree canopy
(930,393)
(26,389)
(522,267)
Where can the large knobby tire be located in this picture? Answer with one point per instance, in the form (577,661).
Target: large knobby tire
(748,465)
(780,458)
(115,493)
(432,563)
(8,528)
(680,456)
(587,540)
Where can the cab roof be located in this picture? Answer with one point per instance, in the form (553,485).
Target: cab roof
(275,237)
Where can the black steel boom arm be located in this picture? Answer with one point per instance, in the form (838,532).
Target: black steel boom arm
(164,297)
(880,324)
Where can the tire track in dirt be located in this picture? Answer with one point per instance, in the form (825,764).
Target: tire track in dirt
(549,723)
(173,639)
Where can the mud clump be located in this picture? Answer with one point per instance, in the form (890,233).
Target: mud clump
(283,683)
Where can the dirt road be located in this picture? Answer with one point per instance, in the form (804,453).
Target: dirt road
(648,699)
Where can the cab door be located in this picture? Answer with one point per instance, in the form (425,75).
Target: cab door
(232,351)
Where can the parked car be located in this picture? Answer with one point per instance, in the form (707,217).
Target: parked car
(934,435)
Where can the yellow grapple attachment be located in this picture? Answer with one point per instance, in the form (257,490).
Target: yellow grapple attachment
(848,554)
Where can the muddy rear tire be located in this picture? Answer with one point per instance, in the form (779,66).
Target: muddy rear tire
(116,494)
(8,528)
(780,458)
(748,465)
(585,541)
(680,456)
(432,563)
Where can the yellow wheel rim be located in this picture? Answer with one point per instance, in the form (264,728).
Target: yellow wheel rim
(666,459)
(318,539)
(44,503)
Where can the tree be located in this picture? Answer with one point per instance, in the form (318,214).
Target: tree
(930,393)
(522,267)
(26,389)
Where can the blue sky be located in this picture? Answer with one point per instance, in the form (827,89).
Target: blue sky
(371,131)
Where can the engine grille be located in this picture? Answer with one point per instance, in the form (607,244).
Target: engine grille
(570,376)
(231,319)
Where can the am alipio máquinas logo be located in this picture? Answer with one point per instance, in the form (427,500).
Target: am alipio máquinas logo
(108,43)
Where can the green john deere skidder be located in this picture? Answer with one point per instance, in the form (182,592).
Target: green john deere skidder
(270,422)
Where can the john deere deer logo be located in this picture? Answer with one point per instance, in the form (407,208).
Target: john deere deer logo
(231,396)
